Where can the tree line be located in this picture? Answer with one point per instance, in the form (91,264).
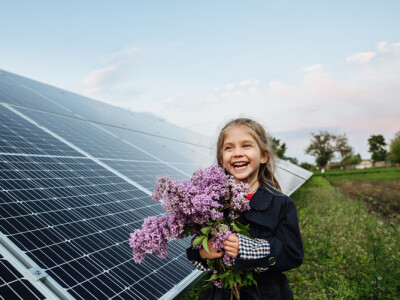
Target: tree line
(326,147)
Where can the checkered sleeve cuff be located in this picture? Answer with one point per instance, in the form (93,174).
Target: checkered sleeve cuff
(253,248)
(199,265)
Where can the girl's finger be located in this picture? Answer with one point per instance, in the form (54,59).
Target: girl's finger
(232,238)
(231,243)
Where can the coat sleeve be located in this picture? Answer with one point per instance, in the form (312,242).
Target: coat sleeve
(194,256)
(286,247)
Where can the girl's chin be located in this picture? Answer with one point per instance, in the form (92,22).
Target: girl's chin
(239,179)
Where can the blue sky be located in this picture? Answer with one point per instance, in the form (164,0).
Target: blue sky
(295,66)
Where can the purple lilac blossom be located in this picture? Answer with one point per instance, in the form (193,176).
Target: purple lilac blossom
(227,260)
(190,204)
(221,235)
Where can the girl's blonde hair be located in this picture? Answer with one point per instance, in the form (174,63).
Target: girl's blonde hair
(267,170)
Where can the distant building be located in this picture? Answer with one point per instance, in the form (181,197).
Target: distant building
(365,164)
(380,164)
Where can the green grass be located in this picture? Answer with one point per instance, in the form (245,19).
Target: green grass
(349,253)
(337,176)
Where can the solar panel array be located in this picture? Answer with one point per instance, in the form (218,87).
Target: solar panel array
(76,178)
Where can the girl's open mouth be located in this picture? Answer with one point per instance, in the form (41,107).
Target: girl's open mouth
(240,165)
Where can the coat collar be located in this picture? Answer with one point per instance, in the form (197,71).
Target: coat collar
(261,198)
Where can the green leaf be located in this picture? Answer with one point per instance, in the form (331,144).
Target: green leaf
(225,284)
(205,244)
(250,276)
(220,228)
(235,227)
(230,280)
(238,278)
(205,230)
(198,240)
(213,276)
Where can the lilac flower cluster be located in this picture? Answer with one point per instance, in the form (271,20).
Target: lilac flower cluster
(209,197)
(155,234)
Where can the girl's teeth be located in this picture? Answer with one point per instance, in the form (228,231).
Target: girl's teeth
(240,166)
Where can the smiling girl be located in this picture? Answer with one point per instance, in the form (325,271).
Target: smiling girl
(244,151)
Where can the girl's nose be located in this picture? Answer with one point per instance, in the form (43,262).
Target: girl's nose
(237,152)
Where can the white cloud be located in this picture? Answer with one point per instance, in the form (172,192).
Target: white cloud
(104,77)
(124,55)
(313,68)
(168,104)
(94,81)
(230,86)
(251,82)
(361,58)
(382,46)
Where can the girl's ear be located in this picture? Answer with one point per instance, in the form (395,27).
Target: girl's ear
(264,159)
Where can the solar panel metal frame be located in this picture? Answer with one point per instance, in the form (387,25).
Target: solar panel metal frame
(31,271)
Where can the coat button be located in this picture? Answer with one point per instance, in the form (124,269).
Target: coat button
(272,261)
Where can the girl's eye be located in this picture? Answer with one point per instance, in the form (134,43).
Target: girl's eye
(227,148)
(246,145)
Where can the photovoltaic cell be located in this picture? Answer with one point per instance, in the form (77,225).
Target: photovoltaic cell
(76,226)
(190,168)
(15,93)
(145,173)
(87,137)
(20,136)
(163,148)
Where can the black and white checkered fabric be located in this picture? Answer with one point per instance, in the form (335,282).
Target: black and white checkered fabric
(199,265)
(253,249)
(248,248)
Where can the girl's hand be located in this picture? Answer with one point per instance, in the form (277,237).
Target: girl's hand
(213,252)
(232,245)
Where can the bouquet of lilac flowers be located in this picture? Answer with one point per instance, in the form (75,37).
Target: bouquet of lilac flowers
(208,207)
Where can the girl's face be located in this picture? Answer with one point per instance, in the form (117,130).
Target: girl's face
(241,155)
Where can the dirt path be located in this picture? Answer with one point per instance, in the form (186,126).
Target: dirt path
(380,196)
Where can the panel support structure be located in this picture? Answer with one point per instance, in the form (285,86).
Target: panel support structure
(31,271)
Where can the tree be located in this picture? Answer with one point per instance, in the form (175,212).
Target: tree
(278,148)
(307,166)
(376,147)
(343,147)
(322,147)
(395,148)
(351,160)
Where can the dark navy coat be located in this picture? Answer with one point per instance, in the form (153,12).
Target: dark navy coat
(272,217)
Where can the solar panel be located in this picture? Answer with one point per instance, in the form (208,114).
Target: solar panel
(11,91)
(19,136)
(100,112)
(73,217)
(76,178)
(290,176)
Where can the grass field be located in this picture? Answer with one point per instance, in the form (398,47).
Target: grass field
(379,189)
(351,252)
